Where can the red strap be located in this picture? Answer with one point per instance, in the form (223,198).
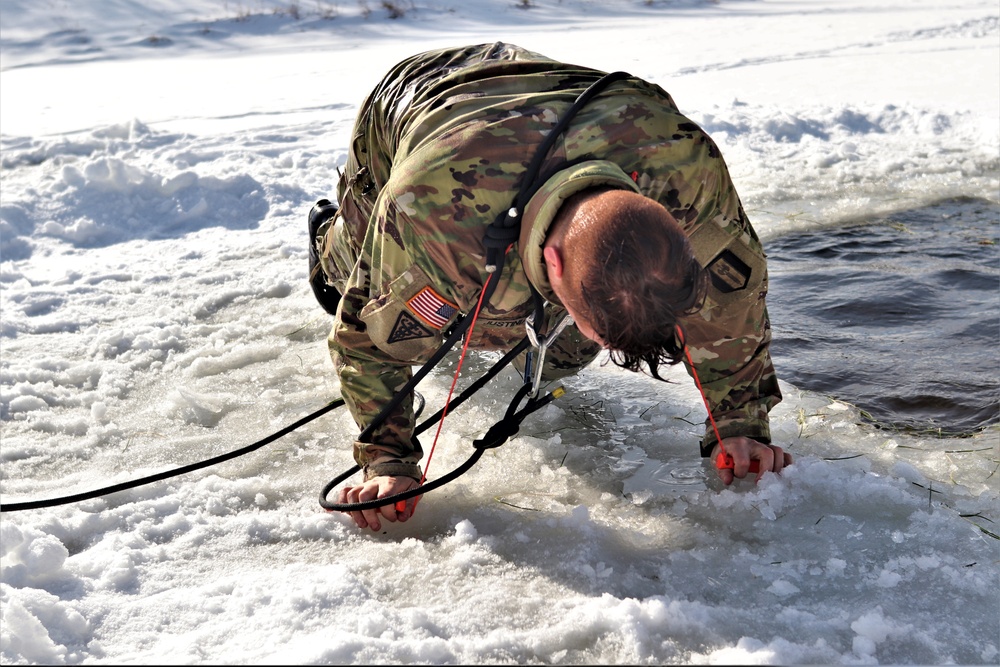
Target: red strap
(401,505)
(694,374)
(723,460)
(458,369)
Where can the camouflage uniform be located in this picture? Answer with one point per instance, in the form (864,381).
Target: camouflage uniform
(440,148)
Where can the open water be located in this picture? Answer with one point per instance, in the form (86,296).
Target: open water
(898,315)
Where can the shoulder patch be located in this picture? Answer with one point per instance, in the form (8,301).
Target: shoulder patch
(433,310)
(729,273)
(407,328)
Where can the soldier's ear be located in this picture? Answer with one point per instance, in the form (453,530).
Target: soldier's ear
(553,263)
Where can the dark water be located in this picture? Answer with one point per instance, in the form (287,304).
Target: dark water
(899,315)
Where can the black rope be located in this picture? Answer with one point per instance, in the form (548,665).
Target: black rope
(496,436)
(477,385)
(581,101)
(505,229)
(456,335)
(426,424)
(397,399)
(36,504)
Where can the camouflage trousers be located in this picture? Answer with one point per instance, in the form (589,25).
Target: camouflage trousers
(369,165)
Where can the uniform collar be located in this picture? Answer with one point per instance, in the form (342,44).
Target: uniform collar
(545,203)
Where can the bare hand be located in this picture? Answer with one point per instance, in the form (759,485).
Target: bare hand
(379,487)
(770,458)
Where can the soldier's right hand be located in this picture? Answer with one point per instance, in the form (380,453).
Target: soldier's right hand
(379,487)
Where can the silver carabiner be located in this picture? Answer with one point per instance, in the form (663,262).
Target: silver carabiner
(542,345)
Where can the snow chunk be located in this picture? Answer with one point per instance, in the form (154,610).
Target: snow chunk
(465,532)
(783,588)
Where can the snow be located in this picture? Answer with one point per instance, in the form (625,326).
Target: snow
(158,161)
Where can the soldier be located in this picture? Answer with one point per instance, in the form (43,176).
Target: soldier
(633,228)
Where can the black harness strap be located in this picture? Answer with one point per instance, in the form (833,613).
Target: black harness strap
(456,335)
(426,424)
(506,228)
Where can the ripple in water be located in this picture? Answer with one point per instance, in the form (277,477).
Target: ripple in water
(899,315)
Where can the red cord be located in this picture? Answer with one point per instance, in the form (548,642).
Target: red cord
(701,391)
(401,505)
(723,460)
(454,380)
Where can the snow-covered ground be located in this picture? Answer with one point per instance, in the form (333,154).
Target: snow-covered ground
(157,165)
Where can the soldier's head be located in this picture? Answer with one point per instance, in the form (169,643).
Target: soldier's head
(625,271)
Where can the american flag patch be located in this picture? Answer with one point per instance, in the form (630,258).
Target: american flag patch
(431,308)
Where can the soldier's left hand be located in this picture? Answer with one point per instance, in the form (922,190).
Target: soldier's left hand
(770,458)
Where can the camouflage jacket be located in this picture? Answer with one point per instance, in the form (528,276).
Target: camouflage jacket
(440,148)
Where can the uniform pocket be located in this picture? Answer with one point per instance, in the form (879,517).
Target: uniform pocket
(735,262)
(407,323)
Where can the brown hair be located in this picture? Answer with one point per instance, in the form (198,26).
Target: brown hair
(630,271)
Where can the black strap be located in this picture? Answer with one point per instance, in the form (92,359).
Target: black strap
(506,228)
(78,497)
(503,362)
(496,436)
(455,336)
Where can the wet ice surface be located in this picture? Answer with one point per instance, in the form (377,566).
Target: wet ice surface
(899,315)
